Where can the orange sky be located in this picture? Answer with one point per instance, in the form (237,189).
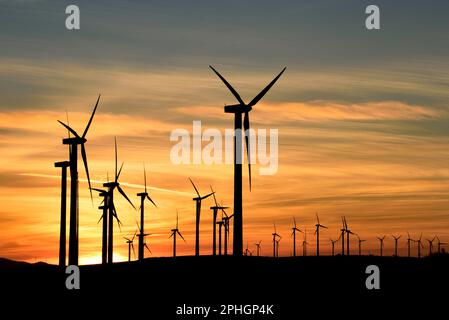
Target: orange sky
(362,118)
(335,158)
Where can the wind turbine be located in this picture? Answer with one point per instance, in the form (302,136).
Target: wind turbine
(381,244)
(104,207)
(360,244)
(396,245)
(342,236)
(333,244)
(439,245)
(214,222)
(277,246)
(198,213)
(220,227)
(258,245)
(430,245)
(174,232)
(408,244)
(238,110)
(73,143)
(275,235)
(111,207)
(130,245)
(304,243)
(226,219)
(62,231)
(143,196)
(294,229)
(348,232)
(317,232)
(420,245)
(247,251)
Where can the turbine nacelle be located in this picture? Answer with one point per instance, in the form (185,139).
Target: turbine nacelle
(237,108)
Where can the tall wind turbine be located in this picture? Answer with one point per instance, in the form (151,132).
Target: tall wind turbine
(220,227)
(104,216)
(215,209)
(348,232)
(360,244)
(294,229)
(62,231)
(238,110)
(111,207)
(258,246)
(439,245)
(143,196)
(342,236)
(277,246)
(430,245)
(381,244)
(173,234)
(130,245)
(317,232)
(396,245)
(198,214)
(275,235)
(73,143)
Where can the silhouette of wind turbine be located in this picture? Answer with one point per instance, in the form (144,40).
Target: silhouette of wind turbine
(348,232)
(396,245)
(198,214)
(143,196)
(430,245)
(247,251)
(258,246)
(381,244)
(215,209)
(420,245)
(342,236)
(220,227)
(304,243)
(104,207)
(62,231)
(277,246)
(238,110)
(226,225)
(408,244)
(275,235)
(439,245)
(294,229)
(73,143)
(173,234)
(111,207)
(130,245)
(317,232)
(333,245)
(360,244)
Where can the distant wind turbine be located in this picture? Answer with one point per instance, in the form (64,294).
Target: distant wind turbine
(294,229)
(275,236)
(381,244)
(215,209)
(430,245)
(396,245)
(130,245)
(173,234)
(198,214)
(317,232)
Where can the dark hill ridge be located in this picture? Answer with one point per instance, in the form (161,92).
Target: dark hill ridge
(162,284)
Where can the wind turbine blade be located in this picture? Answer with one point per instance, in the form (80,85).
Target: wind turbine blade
(70,129)
(234,92)
(148,248)
(134,252)
(196,190)
(317,218)
(148,197)
(248,153)
(171,234)
(181,235)
(119,172)
(125,196)
(207,196)
(265,90)
(91,117)
(84,155)
(213,193)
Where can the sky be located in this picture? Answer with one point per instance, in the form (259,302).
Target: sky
(362,118)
